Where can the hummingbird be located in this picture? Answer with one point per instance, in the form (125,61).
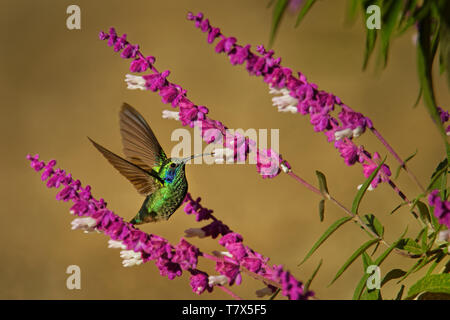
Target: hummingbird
(160,179)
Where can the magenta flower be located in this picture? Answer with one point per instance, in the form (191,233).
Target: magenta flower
(186,255)
(291,287)
(189,113)
(199,282)
(298,95)
(141,247)
(441,208)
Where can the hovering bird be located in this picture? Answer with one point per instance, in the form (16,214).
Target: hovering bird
(162,180)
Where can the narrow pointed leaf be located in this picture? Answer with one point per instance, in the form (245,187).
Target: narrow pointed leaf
(400,293)
(391,16)
(325,236)
(306,7)
(308,283)
(322,182)
(278,11)
(391,275)
(374,224)
(423,211)
(353,257)
(440,256)
(409,245)
(363,189)
(404,163)
(439,176)
(321,209)
(399,206)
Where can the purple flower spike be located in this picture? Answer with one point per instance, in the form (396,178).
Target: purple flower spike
(130,51)
(213,34)
(112,37)
(230,238)
(199,282)
(186,255)
(441,208)
(120,43)
(35,163)
(155,82)
(225,45)
(140,246)
(230,270)
(215,228)
(267,163)
(168,268)
(291,288)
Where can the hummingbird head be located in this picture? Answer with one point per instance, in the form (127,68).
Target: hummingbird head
(174,169)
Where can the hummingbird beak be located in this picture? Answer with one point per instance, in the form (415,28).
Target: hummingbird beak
(196,156)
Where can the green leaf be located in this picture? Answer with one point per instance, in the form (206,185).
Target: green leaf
(363,189)
(306,7)
(391,16)
(371,38)
(440,256)
(374,224)
(273,296)
(368,261)
(445,40)
(325,236)
(424,239)
(419,96)
(353,257)
(417,15)
(322,183)
(278,11)
(423,211)
(360,287)
(352,8)
(391,275)
(436,283)
(321,209)
(371,34)
(308,283)
(422,262)
(425,56)
(407,11)
(373,294)
(409,245)
(400,292)
(397,173)
(399,206)
(439,178)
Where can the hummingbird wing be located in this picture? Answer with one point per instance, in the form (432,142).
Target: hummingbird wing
(139,142)
(145,181)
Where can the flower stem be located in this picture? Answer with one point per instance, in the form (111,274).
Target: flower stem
(397,157)
(228,291)
(355,217)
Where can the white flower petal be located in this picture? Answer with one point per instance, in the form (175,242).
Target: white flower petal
(135,82)
(167,114)
(116,244)
(86,224)
(346,133)
(217,280)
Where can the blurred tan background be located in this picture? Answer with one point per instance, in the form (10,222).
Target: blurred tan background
(59,86)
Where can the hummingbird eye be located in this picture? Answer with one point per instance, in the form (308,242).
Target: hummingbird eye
(173,165)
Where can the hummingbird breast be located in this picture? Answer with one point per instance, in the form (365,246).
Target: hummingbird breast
(161,204)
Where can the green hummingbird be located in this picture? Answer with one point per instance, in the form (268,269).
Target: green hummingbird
(162,180)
